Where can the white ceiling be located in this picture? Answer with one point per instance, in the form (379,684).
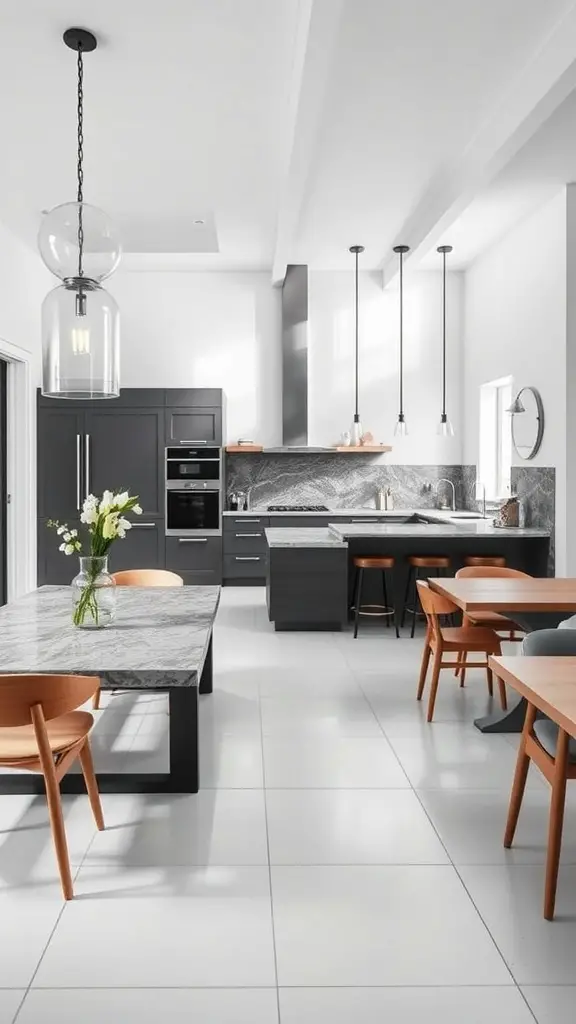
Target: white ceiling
(292,128)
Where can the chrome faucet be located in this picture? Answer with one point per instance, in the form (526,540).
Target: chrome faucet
(444,480)
(483,486)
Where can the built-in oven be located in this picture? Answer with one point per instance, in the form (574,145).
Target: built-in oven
(193,492)
(185,464)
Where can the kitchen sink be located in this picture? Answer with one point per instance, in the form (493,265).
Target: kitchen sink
(466,515)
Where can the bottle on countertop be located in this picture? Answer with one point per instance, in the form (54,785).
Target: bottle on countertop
(233,502)
(389,502)
(381,499)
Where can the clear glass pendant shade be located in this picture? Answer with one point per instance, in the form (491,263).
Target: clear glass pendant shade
(58,242)
(445,428)
(401,429)
(80,342)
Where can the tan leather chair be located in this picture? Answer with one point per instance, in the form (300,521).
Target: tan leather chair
(491,620)
(41,730)
(147,578)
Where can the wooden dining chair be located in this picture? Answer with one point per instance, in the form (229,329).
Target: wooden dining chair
(456,640)
(147,578)
(491,620)
(42,731)
(141,578)
(554,753)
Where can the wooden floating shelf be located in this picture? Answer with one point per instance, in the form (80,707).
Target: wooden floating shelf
(366,448)
(236,449)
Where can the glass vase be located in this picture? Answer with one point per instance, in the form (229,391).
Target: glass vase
(93,594)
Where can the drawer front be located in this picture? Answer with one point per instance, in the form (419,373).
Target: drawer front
(300,521)
(248,523)
(244,566)
(194,553)
(245,541)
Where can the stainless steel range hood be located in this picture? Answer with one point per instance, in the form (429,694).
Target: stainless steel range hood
(295,365)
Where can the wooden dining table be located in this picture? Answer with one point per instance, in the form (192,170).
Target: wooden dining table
(532,602)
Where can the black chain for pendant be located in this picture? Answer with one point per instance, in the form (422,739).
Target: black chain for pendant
(80,168)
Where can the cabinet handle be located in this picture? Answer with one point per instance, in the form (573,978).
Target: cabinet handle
(248,534)
(248,558)
(78,489)
(87,442)
(144,526)
(193,442)
(238,522)
(193,540)
(365,520)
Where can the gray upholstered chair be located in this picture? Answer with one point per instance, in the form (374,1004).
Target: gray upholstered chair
(552,751)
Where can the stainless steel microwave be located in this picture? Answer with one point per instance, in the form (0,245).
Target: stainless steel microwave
(193,464)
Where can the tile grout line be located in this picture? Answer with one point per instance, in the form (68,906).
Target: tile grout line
(455,868)
(269,858)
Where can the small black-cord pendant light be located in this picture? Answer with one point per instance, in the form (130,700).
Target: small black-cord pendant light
(356,425)
(445,427)
(401,429)
(80,245)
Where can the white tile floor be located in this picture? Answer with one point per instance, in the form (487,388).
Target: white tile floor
(343,860)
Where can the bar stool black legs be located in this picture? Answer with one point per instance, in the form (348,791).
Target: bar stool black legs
(386,611)
(420,567)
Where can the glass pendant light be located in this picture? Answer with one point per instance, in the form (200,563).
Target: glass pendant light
(401,430)
(80,319)
(356,425)
(445,428)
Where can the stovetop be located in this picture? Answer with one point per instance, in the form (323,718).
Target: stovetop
(297,508)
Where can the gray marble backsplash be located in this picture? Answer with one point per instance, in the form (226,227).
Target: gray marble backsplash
(339,481)
(535,487)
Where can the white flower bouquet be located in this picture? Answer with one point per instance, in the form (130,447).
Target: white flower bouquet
(106,521)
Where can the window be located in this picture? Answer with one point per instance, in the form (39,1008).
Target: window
(495,449)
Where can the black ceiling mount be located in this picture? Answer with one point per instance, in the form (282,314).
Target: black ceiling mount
(444,248)
(401,248)
(356,248)
(80,39)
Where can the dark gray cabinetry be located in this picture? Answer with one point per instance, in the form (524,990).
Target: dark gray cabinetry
(194,426)
(118,444)
(125,450)
(197,559)
(245,548)
(194,416)
(142,548)
(60,454)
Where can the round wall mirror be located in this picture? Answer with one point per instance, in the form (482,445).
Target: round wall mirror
(527,425)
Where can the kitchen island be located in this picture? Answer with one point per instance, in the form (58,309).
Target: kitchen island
(310,572)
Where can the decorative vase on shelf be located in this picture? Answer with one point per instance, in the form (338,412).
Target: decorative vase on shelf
(93,594)
(356,435)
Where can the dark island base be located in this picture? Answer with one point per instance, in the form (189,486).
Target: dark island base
(183,776)
(306,588)
(312,588)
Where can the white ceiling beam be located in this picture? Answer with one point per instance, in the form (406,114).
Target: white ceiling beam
(317,30)
(543,84)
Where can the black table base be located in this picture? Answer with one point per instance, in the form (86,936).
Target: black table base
(183,776)
(512,720)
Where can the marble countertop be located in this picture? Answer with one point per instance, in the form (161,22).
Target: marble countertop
(160,637)
(449,529)
(301,537)
(331,511)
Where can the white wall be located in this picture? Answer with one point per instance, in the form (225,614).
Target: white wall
(23,283)
(515,323)
(331,362)
(186,329)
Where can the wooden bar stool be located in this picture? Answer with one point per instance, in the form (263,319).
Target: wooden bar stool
(386,611)
(417,563)
(492,560)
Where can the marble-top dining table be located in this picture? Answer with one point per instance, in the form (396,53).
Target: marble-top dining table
(161,639)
